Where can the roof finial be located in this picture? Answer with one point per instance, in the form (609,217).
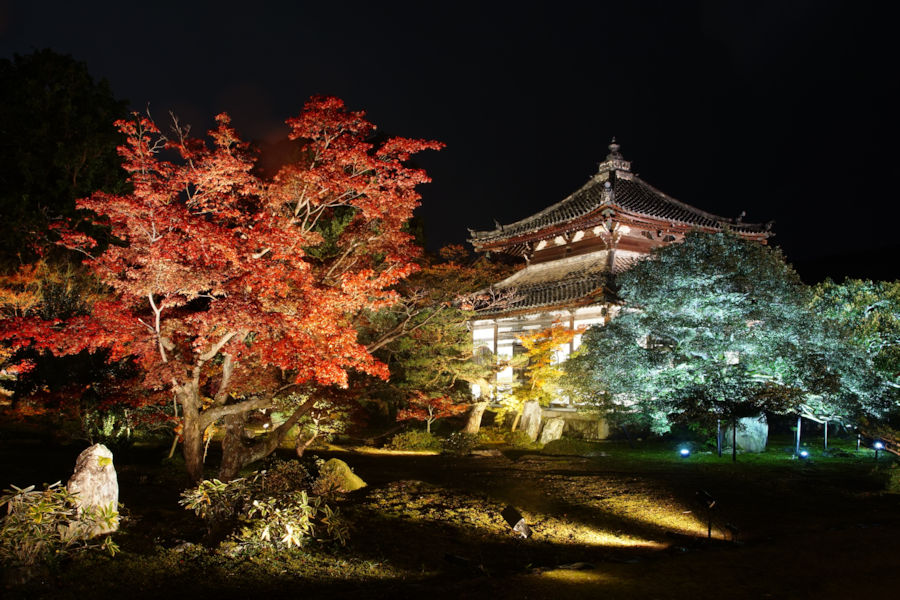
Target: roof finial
(614,153)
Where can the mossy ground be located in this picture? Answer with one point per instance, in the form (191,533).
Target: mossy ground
(621,522)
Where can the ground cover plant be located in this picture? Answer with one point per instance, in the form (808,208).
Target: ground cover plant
(615,520)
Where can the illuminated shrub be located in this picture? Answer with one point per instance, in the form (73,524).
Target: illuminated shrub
(460,443)
(414,439)
(267,510)
(43,527)
(492,435)
(518,439)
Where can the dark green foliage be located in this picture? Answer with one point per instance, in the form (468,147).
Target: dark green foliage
(415,439)
(518,439)
(460,443)
(44,527)
(58,144)
(569,447)
(893,479)
(267,510)
(425,340)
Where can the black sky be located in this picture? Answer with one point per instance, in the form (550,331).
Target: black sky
(783,109)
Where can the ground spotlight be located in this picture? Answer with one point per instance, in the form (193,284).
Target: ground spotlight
(684,452)
(804,454)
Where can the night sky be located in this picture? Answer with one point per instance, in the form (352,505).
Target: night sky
(785,110)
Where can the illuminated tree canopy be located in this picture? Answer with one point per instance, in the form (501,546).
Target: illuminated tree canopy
(715,327)
(230,290)
(865,317)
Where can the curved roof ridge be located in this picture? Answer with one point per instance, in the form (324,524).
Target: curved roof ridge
(694,209)
(534,217)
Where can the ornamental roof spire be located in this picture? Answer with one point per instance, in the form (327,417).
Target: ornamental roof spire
(614,151)
(614,160)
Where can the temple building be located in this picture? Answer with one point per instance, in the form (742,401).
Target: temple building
(573,250)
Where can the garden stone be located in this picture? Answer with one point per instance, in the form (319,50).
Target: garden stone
(587,428)
(752,434)
(96,487)
(338,473)
(531,419)
(553,429)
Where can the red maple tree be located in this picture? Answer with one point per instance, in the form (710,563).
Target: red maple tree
(232,289)
(429,409)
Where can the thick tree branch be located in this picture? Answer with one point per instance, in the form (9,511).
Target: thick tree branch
(263,448)
(211,415)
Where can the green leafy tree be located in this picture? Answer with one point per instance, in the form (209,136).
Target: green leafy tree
(713,328)
(540,370)
(425,340)
(58,144)
(865,317)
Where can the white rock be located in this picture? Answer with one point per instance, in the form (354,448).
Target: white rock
(553,429)
(96,486)
(752,434)
(531,419)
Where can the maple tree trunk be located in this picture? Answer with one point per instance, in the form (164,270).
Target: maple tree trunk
(473,423)
(238,451)
(193,436)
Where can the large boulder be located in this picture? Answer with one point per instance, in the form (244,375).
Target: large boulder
(590,428)
(337,475)
(752,434)
(96,488)
(553,429)
(531,419)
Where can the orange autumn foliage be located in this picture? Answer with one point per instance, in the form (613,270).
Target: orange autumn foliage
(234,286)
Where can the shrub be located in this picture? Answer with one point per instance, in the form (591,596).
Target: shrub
(285,476)
(460,443)
(492,435)
(518,439)
(113,427)
(41,527)
(289,521)
(893,480)
(414,439)
(569,447)
(266,510)
(219,503)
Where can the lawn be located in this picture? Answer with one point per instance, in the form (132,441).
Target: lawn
(621,522)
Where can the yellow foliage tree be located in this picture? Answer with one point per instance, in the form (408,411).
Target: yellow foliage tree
(542,372)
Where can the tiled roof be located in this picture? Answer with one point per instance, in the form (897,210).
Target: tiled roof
(564,281)
(554,293)
(616,186)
